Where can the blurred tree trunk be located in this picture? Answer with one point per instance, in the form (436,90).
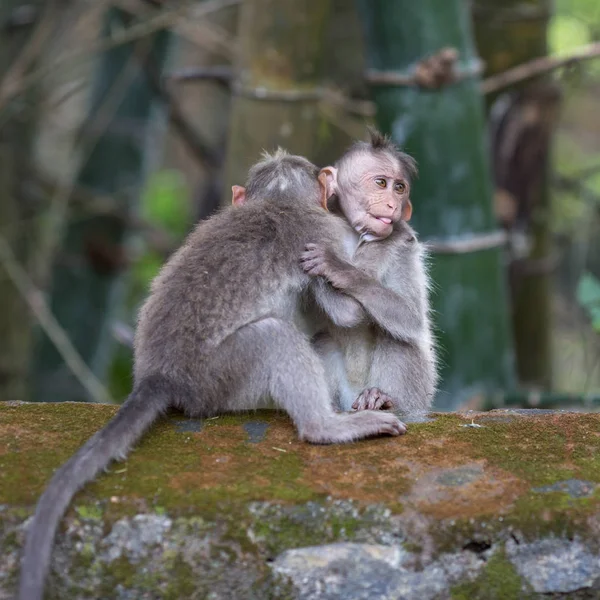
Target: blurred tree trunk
(206,105)
(443,128)
(521,124)
(281,45)
(343,71)
(87,277)
(17,210)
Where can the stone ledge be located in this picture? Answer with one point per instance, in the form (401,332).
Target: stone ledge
(503,504)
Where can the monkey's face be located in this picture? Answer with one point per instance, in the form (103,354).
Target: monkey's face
(374,193)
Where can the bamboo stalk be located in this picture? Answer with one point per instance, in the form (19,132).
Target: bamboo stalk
(277,91)
(438,118)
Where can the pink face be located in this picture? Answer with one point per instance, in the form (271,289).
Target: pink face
(374,193)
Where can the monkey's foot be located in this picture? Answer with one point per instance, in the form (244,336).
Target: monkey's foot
(373,399)
(384,423)
(349,427)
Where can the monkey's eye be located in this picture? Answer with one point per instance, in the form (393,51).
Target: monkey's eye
(381,182)
(399,187)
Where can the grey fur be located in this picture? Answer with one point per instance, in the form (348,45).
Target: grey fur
(216,334)
(385,353)
(391,347)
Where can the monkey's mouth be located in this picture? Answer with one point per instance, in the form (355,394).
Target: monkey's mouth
(385,220)
(380,227)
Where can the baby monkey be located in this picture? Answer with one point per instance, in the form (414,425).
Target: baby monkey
(381,354)
(216,335)
(386,358)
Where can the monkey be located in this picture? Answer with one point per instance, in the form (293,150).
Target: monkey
(383,356)
(388,359)
(216,334)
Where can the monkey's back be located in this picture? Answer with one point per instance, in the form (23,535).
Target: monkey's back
(239,266)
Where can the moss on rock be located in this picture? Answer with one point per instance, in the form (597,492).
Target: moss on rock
(250,486)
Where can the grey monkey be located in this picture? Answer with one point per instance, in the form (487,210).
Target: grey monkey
(388,358)
(216,334)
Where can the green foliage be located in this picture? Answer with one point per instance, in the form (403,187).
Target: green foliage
(165,201)
(585,11)
(89,511)
(498,581)
(566,33)
(165,205)
(571,208)
(588,295)
(120,376)
(575,23)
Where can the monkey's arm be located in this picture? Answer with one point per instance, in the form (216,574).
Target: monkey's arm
(342,309)
(398,315)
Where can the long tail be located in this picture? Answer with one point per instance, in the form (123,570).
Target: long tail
(147,401)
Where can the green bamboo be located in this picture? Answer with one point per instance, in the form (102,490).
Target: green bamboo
(281,46)
(343,71)
(452,198)
(88,274)
(508,34)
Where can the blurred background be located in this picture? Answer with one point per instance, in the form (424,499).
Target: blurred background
(125,122)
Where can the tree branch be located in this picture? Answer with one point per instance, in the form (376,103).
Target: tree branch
(194,141)
(222,74)
(50,325)
(536,67)
(165,20)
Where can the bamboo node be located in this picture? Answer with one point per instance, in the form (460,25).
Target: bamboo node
(433,72)
(288,95)
(465,244)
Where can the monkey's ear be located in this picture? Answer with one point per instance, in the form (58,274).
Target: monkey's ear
(406,210)
(238,195)
(328,180)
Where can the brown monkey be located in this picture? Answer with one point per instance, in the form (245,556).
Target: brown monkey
(388,359)
(216,335)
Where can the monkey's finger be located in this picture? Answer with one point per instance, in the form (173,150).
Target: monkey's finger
(313,267)
(372,403)
(385,401)
(362,402)
(359,403)
(310,254)
(372,399)
(309,265)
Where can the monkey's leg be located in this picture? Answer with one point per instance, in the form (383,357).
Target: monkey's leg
(400,370)
(271,357)
(332,358)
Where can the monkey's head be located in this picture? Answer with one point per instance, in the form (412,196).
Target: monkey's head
(282,176)
(371,183)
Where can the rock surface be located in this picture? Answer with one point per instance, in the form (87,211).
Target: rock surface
(499,505)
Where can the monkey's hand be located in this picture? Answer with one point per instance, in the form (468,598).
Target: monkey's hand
(319,260)
(373,399)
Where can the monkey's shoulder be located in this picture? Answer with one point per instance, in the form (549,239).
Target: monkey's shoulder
(237,246)
(263,222)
